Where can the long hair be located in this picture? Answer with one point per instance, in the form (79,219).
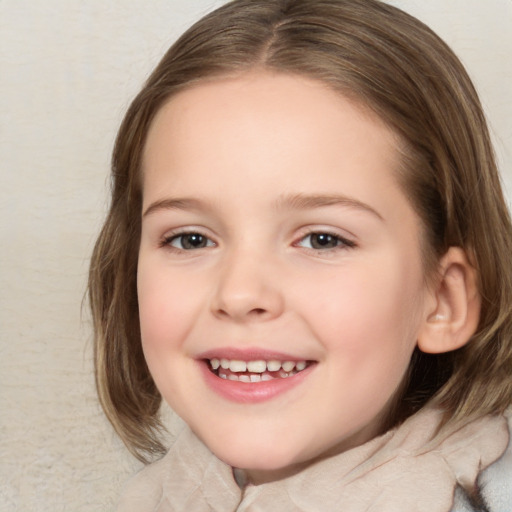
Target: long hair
(389,62)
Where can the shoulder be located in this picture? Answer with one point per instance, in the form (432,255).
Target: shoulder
(188,477)
(495,482)
(144,491)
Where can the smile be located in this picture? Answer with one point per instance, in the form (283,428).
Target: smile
(245,378)
(255,371)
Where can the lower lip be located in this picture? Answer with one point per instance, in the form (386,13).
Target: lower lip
(252,392)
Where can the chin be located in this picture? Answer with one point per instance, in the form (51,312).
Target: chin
(258,461)
(263,456)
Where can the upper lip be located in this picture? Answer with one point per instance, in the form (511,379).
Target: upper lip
(248,354)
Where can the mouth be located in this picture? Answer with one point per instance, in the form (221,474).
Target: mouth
(253,375)
(257,370)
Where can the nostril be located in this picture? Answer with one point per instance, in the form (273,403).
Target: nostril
(251,305)
(254,313)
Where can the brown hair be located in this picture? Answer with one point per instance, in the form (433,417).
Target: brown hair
(390,62)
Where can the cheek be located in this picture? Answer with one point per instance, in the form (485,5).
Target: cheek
(166,306)
(167,311)
(371,315)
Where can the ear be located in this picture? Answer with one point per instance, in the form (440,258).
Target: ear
(453,307)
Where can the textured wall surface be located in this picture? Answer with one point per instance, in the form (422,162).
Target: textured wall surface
(67,72)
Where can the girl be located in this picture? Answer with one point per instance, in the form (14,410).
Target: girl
(307,256)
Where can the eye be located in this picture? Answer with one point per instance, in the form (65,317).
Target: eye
(188,241)
(324,241)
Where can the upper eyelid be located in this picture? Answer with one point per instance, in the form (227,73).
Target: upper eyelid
(343,234)
(306,232)
(187,231)
(344,241)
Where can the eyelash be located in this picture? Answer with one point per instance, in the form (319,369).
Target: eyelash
(340,242)
(169,239)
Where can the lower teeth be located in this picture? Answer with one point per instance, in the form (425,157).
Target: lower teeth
(255,377)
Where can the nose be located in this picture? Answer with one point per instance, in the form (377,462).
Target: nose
(247,290)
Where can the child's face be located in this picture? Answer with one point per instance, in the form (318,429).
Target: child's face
(275,230)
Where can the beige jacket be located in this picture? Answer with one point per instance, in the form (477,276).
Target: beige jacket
(407,469)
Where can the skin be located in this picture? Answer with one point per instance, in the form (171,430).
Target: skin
(243,150)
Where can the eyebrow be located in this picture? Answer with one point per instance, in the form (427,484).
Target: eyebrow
(311,201)
(293,201)
(174,204)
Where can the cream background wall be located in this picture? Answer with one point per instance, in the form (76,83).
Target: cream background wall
(68,70)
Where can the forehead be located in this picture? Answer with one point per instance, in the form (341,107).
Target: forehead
(252,120)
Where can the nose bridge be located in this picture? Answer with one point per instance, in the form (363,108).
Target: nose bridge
(246,288)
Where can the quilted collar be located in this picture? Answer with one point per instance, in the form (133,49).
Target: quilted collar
(412,467)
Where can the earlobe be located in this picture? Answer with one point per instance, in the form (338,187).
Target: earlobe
(453,309)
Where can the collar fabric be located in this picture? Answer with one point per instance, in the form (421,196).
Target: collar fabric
(412,467)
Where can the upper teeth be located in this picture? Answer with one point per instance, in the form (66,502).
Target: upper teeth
(256,366)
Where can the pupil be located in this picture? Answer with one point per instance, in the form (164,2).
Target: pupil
(323,241)
(193,241)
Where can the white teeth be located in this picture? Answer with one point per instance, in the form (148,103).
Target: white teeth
(257,366)
(237,366)
(255,377)
(274,366)
(288,366)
